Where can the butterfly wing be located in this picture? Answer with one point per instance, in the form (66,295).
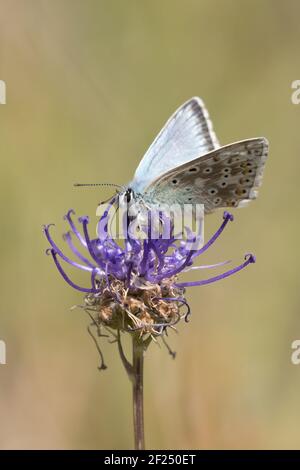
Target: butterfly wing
(226,177)
(188,134)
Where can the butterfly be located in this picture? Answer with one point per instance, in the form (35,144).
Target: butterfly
(186,165)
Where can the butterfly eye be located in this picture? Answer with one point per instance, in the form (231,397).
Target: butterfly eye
(226,170)
(223,184)
(128,195)
(174,181)
(207,170)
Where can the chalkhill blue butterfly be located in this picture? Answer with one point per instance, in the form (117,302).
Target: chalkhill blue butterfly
(186,165)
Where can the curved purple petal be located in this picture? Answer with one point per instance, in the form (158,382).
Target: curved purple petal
(227,217)
(66,278)
(60,253)
(249,259)
(68,238)
(73,227)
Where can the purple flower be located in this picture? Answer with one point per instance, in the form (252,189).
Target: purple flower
(134,287)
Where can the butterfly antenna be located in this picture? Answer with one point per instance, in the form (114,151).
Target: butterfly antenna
(99,184)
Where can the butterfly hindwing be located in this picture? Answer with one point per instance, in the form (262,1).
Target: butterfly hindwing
(226,177)
(188,134)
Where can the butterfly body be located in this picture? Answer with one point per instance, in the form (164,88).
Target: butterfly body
(186,165)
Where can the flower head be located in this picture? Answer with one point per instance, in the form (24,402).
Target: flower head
(134,287)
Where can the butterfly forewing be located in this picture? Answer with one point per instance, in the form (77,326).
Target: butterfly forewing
(188,134)
(226,177)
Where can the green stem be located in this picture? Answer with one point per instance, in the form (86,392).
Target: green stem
(137,389)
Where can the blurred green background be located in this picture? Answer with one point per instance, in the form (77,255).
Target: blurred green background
(89,84)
